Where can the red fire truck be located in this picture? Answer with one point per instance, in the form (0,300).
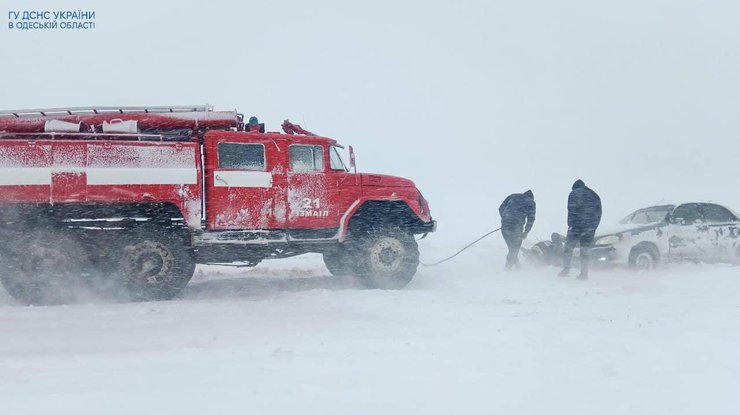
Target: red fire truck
(133,197)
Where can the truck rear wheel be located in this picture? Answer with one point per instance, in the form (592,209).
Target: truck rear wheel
(155,265)
(386,259)
(44,267)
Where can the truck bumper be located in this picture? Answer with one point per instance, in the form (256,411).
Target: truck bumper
(427,227)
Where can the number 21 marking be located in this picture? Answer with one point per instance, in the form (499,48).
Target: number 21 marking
(311,204)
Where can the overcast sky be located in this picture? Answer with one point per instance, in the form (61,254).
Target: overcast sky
(472,100)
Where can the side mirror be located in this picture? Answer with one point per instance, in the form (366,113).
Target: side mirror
(352,164)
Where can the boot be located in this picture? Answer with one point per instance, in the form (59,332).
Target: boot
(564,273)
(584,270)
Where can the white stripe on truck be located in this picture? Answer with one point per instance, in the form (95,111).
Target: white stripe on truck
(25,176)
(138,175)
(231,178)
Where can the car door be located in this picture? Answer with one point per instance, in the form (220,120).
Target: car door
(241,190)
(721,233)
(686,230)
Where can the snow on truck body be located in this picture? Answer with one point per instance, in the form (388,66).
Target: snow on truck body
(66,171)
(189,184)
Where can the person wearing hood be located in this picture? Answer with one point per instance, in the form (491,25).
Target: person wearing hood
(254,125)
(517,217)
(584,216)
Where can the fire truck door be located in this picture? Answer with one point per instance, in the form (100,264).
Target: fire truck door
(312,194)
(243,188)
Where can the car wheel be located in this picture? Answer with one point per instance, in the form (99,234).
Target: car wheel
(643,258)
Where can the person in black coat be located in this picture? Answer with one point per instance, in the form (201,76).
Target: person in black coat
(517,217)
(584,216)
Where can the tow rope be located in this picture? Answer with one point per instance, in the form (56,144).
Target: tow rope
(460,251)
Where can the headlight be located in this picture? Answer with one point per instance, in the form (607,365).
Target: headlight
(423,204)
(608,240)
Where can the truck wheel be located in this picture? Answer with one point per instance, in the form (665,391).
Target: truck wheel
(338,262)
(386,259)
(155,265)
(643,258)
(44,268)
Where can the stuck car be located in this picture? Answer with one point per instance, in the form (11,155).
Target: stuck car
(705,232)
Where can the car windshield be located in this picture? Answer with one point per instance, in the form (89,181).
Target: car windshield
(734,213)
(648,215)
(336,160)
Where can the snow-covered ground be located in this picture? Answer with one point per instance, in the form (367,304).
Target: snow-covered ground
(463,338)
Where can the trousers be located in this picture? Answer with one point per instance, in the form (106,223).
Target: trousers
(582,237)
(514,238)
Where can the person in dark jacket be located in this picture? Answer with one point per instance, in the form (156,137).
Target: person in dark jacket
(517,217)
(584,216)
(254,125)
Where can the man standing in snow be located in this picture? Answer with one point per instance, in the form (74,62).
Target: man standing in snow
(517,217)
(584,216)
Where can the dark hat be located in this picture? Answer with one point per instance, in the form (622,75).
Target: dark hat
(529,194)
(253,120)
(578,184)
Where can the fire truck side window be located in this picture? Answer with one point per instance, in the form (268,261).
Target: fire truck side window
(240,156)
(335,160)
(306,158)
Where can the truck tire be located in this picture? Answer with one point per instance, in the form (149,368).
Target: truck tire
(338,262)
(386,259)
(643,257)
(44,267)
(155,264)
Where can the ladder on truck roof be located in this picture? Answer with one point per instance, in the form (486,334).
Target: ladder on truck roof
(52,112)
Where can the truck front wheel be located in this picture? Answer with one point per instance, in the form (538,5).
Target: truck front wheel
(386,259)
(155,265)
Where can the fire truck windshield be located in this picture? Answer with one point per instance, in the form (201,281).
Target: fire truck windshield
(335,159)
